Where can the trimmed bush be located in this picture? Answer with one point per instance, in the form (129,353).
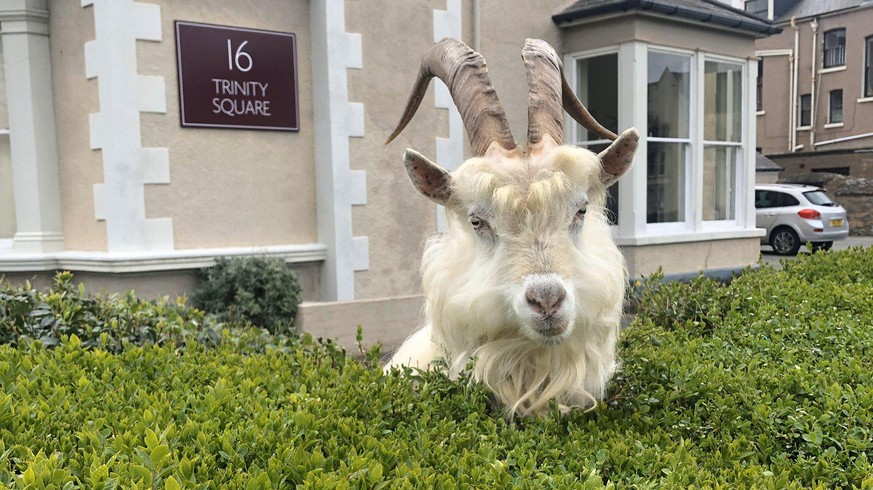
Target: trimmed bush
(258,290)
(763,383)
(109,322)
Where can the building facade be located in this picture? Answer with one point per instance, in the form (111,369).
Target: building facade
(815,110)
(98,174)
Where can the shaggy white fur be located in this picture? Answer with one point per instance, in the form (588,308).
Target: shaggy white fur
(526,281)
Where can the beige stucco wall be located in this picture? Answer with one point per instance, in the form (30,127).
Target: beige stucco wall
(80,167)
(611,31)
(504,28)
(772,127)
(396,218)
(680,258)
(386,320)
(153,285)
(232,187)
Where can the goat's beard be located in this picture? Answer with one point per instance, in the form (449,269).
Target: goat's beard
(470,317)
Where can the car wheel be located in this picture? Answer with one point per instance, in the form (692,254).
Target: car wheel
(785,241)
(822,246)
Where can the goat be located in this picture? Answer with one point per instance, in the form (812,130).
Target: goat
(526,281)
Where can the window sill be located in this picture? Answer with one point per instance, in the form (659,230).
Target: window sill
(761,113)
(865,99)
(803,128)
(832,69)
(149,261)
(688,236)
(833,125)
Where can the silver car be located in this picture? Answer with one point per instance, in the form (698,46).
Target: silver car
(795,214)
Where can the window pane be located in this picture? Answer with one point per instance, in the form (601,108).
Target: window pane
(669,82)
(611,193)
(598,90)
(719,177)
(760,85)
(834,48)
(836,107)
(723,101)
(665,195)
(868,68)
(805,106)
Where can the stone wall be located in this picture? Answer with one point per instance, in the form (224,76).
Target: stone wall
(859,163)
(853,193)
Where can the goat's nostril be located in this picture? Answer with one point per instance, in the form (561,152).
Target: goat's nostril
(546,301)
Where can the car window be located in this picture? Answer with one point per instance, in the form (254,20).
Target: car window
(783,200)
(819,198)
(762,199)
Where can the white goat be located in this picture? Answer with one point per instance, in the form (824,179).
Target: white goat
(526,280)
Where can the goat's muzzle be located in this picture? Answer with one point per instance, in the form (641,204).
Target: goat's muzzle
(547,308)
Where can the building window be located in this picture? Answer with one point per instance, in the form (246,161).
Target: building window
(805,111)
(597,88)
(757,7)
(759,97)
(834,48)
(868,67)
(722,135)
(835,108)
(669,116)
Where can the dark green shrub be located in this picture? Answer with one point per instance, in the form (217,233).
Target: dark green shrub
(259,290)
(110,322)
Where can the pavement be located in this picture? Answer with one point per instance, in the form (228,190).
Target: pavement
(853,241)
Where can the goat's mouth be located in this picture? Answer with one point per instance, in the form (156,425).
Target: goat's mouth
(549,331)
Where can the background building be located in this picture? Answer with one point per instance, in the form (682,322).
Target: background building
(98,176)
(815,79)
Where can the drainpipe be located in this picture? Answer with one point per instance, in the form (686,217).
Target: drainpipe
(792,134)
(476,18)
(812,97)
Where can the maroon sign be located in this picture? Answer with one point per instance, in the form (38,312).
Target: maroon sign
(231,77)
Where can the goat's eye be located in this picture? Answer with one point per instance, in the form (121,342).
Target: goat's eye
(581,213)
(477,222)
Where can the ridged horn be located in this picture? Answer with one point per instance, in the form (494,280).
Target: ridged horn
(577,111)
(466,75)
(544,111)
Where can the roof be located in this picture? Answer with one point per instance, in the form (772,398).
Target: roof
(703,11)
(764,164)
(810,8)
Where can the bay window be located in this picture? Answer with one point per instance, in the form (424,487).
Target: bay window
(694,111)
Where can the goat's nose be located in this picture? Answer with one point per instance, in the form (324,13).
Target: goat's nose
(545,298)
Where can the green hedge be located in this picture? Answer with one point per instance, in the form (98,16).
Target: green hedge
(762,383)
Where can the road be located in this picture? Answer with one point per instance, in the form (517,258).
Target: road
(852,241)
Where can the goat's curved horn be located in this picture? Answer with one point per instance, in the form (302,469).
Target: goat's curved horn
(577,111)
(550,95)
(464,72)
(544,112)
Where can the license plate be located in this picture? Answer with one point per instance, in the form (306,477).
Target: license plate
(836,223)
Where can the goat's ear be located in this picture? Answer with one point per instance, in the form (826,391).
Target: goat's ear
(615,160)
(430,179)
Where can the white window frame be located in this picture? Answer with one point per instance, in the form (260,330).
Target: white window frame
(745,101)
(688,223)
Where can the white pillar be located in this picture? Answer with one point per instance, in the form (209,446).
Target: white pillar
(632,112)
(33,146)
